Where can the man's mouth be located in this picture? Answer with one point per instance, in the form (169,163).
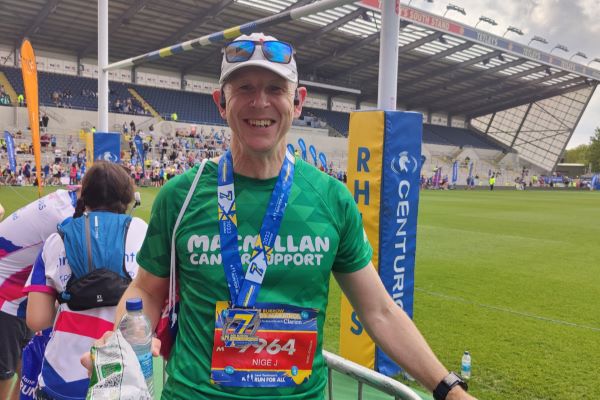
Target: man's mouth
(260,123)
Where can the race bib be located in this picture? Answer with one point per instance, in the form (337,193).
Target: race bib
(282,356)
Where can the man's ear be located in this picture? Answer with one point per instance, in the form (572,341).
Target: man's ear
(216,95)
(301,97)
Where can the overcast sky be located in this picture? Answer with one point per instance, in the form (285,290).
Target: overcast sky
(573,23)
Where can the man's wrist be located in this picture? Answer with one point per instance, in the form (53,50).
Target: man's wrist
(456,393)
(447,385)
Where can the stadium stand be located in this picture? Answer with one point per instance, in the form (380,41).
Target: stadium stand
(189,107)
(337,120)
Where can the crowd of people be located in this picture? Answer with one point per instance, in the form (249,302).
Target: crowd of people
(129,105)
(223,198)
(62,98)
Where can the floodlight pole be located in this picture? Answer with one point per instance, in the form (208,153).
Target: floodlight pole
(102,63)
(388,55)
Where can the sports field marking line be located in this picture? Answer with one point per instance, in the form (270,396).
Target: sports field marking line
(497,236)
(508,310)
(20,195)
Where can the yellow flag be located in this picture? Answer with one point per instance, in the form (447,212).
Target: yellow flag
(29,70)
(89,149)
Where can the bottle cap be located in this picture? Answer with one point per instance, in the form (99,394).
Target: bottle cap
(133,304)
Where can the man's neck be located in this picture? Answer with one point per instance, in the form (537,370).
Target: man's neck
(258,166)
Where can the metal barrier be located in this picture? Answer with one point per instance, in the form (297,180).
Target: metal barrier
(362,374)
(365,376)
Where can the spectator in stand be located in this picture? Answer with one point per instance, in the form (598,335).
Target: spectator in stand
(73,174)
(56,173)
(27,172)
(45,120)
(45,140)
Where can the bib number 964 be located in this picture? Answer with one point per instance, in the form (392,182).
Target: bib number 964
(273,347)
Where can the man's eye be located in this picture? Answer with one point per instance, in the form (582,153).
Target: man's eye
(276,89)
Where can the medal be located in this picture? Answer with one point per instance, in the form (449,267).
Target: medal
(241,320)
(240,327)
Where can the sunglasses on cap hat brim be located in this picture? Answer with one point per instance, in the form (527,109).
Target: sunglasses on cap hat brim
(273,50)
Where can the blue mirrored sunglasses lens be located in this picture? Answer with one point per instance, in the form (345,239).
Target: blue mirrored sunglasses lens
(277,52)
(239,51)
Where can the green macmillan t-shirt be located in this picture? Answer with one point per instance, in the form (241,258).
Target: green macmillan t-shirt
(321,231)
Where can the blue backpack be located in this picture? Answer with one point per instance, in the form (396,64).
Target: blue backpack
(95,248)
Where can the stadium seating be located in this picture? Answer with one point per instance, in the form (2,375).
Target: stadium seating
(337,120)
(189,106)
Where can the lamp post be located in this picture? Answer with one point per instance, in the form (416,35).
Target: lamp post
(452,7)
(537,39)
(578,54)
(486,19)
(560,47)
(513,30)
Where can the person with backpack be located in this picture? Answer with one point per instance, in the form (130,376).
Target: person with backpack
(85,267)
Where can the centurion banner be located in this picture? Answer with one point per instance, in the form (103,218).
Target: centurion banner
(107,146)
(384,153)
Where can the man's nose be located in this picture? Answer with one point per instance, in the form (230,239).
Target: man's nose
(260,99)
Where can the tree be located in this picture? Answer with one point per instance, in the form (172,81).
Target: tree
(594,151)
(578,155)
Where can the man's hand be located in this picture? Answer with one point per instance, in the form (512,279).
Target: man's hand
(86,358)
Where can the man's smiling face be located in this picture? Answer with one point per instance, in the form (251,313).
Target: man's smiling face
(260,108)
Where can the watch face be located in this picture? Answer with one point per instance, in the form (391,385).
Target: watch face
(451,379)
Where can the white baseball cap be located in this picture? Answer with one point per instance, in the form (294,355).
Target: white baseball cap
(287,71)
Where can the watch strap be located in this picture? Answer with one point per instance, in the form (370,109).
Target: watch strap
(445,386)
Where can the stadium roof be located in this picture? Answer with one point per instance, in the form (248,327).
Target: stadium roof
(527,99)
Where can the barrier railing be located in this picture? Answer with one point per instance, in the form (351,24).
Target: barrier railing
(365,376)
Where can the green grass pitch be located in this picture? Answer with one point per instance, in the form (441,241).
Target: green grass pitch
(511,276)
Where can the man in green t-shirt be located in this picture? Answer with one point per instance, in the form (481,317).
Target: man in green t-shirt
(255,250)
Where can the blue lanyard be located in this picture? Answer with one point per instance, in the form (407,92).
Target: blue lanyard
(244,290)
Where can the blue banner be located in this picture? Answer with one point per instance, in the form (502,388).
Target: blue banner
(454,172)
(595,184)
(302,146)
(323,160)
(139,146)
(10,149)
(398,216)
(107,147)
(313,153)
(291,149)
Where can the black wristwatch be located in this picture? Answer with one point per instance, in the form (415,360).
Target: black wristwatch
(444,387)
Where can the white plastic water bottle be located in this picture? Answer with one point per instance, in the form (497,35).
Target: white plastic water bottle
(465,365)
(137,330)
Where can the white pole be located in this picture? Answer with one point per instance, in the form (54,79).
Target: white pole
(388,54)
(102,63)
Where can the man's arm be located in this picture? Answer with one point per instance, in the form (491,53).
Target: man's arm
(392,330)
(151,289)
